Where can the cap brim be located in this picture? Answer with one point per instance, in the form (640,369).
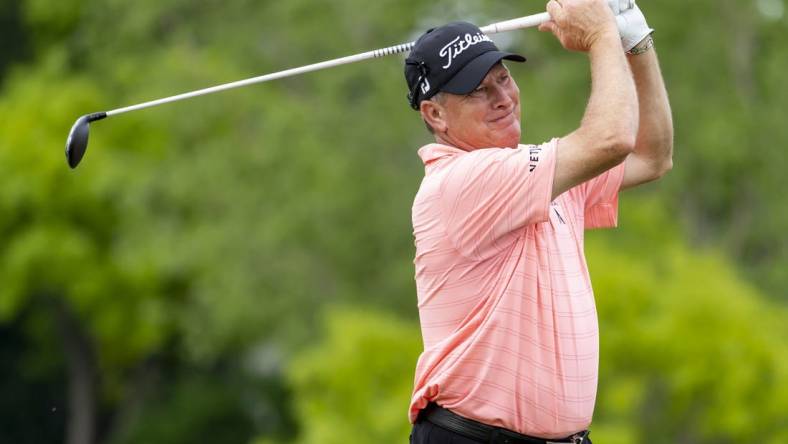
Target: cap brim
(472,74)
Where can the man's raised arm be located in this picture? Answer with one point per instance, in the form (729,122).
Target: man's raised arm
(653,153)
(606,135)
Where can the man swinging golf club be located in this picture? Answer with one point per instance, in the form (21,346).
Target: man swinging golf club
(505,301)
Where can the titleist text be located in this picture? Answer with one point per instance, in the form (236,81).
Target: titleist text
(454,48)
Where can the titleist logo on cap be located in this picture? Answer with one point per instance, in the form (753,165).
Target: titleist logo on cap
(452,58)
(454,48)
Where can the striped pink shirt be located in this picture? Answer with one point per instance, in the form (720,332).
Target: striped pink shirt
(505,301)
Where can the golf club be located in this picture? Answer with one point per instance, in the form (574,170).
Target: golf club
(77,141)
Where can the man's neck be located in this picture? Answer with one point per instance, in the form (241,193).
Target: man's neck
(446,139)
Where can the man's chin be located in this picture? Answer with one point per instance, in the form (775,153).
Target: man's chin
(508,137)
(509,140)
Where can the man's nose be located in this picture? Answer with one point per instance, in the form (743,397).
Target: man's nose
(501,97)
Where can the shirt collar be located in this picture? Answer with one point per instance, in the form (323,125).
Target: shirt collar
(434,151)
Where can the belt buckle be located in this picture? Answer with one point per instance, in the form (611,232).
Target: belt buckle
(578,438)
(574,439)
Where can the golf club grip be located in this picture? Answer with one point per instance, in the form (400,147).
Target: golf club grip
(508,25)
(518,23)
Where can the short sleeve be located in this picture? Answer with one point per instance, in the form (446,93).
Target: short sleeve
(601,198)
(488,196)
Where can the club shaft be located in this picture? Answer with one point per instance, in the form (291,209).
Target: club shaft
(508,25)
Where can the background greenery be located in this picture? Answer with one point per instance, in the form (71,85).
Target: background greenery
(238,268)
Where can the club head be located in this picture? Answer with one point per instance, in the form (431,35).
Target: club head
(77,141)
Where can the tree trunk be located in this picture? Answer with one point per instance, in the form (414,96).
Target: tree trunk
(82,376)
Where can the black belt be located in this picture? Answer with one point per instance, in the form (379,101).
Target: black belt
(486,433)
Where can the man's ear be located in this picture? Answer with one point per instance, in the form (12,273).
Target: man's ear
(434,115)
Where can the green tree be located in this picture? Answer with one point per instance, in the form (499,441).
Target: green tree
(355,384)
(689,351)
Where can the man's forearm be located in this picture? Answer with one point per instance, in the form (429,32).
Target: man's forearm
(612,107)
(654,143)
(607,133)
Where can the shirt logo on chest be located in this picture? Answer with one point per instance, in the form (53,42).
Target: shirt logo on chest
(557,213)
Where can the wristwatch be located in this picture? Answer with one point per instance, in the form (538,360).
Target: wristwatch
(644,45)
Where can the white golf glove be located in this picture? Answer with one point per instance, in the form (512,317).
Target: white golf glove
(632,24)
(620,5)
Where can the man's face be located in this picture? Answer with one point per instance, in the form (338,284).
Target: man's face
(487,117)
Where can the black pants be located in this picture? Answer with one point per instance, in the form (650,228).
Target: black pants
(425,432)
(428,433)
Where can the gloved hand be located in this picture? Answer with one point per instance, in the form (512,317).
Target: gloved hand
(632,25)
(620,5)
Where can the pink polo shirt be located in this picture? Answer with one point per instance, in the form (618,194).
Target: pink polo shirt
(505,301)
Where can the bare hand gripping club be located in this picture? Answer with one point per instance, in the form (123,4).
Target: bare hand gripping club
(77,141)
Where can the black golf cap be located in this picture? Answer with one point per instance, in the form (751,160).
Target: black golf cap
(453,58)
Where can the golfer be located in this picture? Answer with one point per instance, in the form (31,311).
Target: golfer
(508,320)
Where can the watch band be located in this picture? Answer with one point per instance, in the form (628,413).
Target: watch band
(644,45)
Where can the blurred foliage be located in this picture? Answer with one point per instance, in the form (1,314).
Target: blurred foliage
(207,411)
(689,351)
(355,384)
(199,243)
(14,38)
